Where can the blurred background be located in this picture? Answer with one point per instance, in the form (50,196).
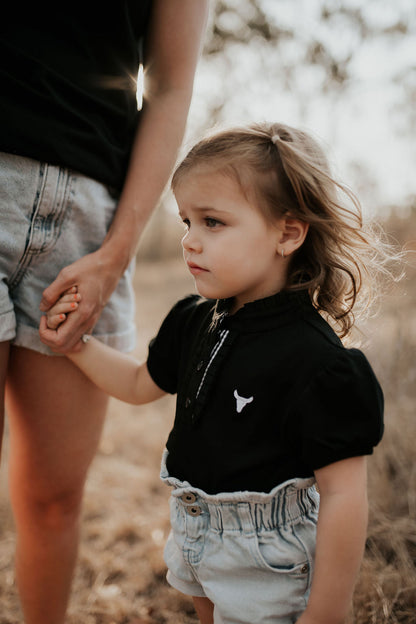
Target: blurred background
(346,71)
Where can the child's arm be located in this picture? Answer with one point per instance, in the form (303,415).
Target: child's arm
(341,535)
(118,374)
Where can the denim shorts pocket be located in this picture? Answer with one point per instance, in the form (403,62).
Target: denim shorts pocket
(282,552)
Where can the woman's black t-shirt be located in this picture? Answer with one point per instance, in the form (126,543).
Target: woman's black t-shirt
(267,395)
(68,80)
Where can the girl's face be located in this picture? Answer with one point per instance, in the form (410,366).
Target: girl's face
(229,247)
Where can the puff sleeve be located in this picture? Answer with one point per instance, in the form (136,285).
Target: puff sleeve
(341,411)
(166,347)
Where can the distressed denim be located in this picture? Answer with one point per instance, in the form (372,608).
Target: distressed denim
(50,217)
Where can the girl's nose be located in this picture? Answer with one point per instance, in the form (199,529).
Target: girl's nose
(190,242)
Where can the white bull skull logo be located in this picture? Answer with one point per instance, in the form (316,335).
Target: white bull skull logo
(241,401)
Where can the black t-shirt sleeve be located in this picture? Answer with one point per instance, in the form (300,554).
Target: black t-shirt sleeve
(340,411)
(165,349)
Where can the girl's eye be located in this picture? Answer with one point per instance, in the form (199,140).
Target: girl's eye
(186,223)
(211,223)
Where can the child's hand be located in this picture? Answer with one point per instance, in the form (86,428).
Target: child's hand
(66,304)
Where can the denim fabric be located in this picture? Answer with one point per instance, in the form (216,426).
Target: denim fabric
(250,553)
(50,217)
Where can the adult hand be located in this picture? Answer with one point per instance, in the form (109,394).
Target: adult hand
(95,276)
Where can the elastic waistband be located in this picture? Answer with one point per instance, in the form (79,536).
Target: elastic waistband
(286,504)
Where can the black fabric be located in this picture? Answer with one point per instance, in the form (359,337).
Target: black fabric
(314,401)
(68,81)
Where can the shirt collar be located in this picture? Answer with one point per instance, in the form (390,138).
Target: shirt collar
(278,309)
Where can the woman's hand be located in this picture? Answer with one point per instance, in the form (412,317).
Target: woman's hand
(95,277)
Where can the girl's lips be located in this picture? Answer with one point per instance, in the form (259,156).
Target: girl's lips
(195,269)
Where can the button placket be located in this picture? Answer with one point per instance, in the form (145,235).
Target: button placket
(192,510)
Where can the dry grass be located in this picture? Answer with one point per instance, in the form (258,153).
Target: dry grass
(120,578)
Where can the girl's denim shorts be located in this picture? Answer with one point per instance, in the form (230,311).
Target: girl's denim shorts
(51,217)
(250,553)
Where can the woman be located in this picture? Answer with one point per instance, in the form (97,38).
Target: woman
(76,192)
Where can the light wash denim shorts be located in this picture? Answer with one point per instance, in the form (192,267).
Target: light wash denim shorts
(250,553)
(50,217)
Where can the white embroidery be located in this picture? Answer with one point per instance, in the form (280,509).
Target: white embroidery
(241,401)
(223,335)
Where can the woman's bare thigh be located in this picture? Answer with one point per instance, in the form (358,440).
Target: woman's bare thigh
(55,417)
(4,359)
(204,609)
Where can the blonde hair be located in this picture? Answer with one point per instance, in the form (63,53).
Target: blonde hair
(285,171)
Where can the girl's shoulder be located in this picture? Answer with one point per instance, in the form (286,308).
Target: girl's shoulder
(191,306)
(347,368)
(334,363)
(187,317)
(330,372)
(178,331)
(339,409)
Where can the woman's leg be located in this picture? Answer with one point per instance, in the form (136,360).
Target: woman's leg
(55,416)
(204,609)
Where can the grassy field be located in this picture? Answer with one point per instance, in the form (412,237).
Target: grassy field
(120,577)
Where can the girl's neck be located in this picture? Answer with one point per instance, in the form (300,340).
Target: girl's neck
(238,303)
(235,305)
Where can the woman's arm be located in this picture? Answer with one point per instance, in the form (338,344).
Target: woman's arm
(342,529)
(174,46)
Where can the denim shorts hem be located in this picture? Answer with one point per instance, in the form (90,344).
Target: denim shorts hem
(28,337)
(190,589)
(8,326)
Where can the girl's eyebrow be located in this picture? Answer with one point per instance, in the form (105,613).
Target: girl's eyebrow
(208,209)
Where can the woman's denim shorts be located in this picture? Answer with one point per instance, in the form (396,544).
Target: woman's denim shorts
(250,553)
(50,217)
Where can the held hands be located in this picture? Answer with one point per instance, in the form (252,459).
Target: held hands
(60,311)
(118,374)
(94,276)
(66,304)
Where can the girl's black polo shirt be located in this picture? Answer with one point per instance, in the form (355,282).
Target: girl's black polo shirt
(265,395)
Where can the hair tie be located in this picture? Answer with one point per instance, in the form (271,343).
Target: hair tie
(275,139)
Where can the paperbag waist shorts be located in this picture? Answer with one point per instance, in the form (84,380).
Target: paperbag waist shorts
(50,217)
(250,553)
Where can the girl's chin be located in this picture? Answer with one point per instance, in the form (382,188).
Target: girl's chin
(210,293)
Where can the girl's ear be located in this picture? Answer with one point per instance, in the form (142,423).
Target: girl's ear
(292,234)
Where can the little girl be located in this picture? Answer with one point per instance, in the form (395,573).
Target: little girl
(269,401)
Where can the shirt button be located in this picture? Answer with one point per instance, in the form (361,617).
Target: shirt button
(188,402)
(194,510)
(199,365)
(304,568)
